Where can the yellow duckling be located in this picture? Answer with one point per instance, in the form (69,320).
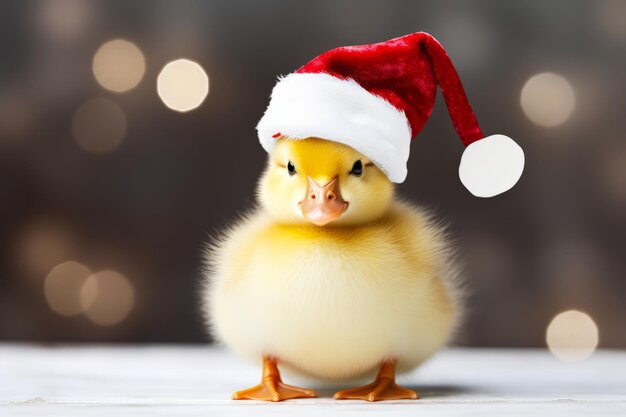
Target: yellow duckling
(331,276)
(372,289)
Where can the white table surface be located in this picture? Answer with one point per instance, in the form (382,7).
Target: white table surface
(197,380)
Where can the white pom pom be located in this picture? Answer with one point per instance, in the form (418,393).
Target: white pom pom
(491,166)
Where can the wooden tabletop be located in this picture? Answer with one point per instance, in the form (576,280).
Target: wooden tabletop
(195,380)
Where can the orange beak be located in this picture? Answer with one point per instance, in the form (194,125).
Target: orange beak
(322,204)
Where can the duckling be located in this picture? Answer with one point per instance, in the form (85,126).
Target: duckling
(331,277)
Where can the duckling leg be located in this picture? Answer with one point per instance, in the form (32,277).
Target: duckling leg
(384,387)
(272,388)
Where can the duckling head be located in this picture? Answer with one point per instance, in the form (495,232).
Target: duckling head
(323,182)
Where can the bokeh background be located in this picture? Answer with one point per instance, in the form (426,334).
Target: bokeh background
(127,137)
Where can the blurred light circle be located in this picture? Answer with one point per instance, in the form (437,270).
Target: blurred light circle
(469,38)
(107,297)
(612,173)
(16,117)
(64,19)
(118,65)
(99,125)
(182,85)
(548,99)
(63,285)
(40,246)
(610,15)
(572,336)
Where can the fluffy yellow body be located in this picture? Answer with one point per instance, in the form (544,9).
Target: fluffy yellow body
(333,302)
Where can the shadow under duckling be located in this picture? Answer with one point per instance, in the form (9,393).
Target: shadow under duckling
(331,277)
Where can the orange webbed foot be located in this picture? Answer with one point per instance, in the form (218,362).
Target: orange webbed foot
(273,391)
(383,388)
(272,388)
(377,391)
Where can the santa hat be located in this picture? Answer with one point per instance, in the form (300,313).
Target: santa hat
(376,98)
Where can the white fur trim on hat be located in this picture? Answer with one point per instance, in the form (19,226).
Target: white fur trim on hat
(491,166)
(320,105)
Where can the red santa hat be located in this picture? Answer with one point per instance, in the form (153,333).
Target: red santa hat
(376,98)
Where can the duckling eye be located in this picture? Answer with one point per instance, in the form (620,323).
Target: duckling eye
(291,168)
(357,168)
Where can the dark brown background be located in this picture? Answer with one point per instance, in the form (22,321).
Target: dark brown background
(555,242)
